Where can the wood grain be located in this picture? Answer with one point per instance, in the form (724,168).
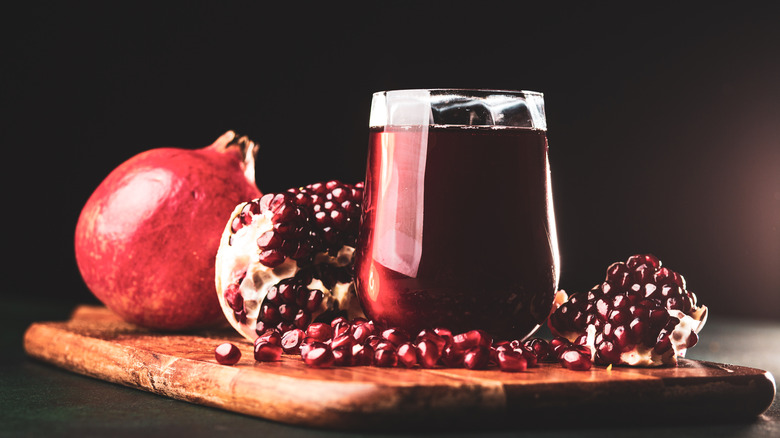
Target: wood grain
(96,343)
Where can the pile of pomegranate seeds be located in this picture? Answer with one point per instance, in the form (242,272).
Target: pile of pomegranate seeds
(361,343)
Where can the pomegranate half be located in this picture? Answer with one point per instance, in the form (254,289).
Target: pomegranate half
(147,238)
(286,259)
(642,314)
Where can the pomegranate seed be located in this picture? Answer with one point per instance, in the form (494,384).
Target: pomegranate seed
(308,344)
(575,359)
(373,341)
(444,333)
(227,354)
(384,345)
(342,340)
(270,314)
(558,344)
(342,356)
(267,352)
(271,258)
(395,336)
(314,301)
(432,336)
(234,298)
(362,332)
(472,339)
(622,338)
(451,357)
(292,340)
(407,355)
(319,356)
(319,331)
(269,240)
(261,327)
(288,312)
(693,338)
(362,355)
(476,358)
(529,356)
(663,344)
(542,349)
(273,336)
(236,224)
(607,353)
(341,328)
(428,353)
(302,319)
(385,358)
(511,361)
(338,320)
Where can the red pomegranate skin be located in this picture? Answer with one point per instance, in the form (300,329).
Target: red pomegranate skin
(147,238)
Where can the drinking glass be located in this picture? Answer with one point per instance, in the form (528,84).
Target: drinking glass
(458,228)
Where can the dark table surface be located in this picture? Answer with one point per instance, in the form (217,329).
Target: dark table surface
(37,399)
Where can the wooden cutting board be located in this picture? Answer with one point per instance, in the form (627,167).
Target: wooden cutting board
(96,343)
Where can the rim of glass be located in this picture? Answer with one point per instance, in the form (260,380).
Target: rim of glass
(467,90)
(418,103)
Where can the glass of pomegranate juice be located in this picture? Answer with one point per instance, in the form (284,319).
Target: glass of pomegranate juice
(458,229)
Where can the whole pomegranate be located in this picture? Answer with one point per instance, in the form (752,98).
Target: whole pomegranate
(640,315)
(147,238)
(286,259)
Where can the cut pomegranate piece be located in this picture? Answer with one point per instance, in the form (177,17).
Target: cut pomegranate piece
(640,315)
(285,259)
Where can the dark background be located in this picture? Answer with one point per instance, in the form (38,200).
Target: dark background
(664,119)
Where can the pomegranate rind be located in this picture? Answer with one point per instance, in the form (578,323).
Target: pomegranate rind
(238,262)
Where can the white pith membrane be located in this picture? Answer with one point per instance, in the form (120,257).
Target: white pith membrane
(643,355)
(238,261)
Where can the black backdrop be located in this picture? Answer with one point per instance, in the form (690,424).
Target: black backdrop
(664,118)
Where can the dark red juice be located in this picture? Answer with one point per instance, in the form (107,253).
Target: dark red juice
(458,230)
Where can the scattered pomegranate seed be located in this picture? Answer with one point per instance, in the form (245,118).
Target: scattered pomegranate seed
(428,353)
(407,355)
(385,357)
(575,359)
(472,339)
(266,351)
(342,355)
(319,331)
(511,361)
(227,354)
(319,356)
(476,358)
